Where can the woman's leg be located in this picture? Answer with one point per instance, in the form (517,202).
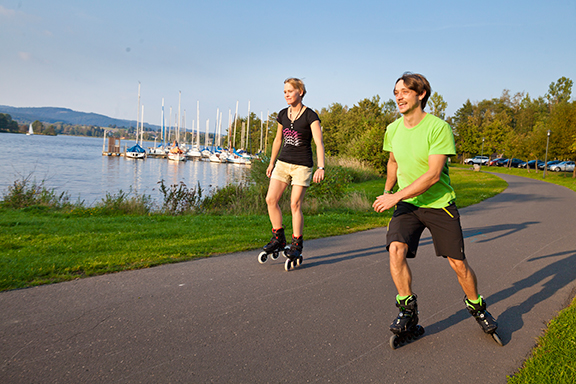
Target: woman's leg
(296,200)
(275,190)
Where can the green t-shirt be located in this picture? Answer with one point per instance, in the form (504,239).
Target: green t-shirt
(411,148)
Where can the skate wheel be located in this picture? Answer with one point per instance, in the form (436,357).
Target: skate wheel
(262,257)
(396,341)
(288,265)
(420,330)
(497,339)
(298,261)
(274,255)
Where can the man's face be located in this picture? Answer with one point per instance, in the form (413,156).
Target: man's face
(406,99)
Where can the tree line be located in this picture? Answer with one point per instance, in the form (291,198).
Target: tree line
(519,126)
(509,126)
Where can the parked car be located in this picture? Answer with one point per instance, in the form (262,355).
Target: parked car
(549,164)
(495,161)
(532,164)
(515,163)
(501,162)
(566,166)
(483,160)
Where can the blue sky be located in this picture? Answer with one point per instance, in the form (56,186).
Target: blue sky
(90,55)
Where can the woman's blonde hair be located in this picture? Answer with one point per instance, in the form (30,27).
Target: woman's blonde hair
(298,84)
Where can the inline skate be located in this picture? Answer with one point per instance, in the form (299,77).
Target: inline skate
(405,327)
(277,243)
(294,253)
(484,318)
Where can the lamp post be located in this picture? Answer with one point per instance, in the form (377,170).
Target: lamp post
(546,157)
(482,153)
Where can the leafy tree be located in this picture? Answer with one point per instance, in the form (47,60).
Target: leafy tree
(38,127)
(438,105)
(7,124)
(560,91)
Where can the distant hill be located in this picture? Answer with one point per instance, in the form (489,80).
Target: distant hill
(53,115)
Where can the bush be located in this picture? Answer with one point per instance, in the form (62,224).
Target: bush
(23,194)
(179,199)
(126,203)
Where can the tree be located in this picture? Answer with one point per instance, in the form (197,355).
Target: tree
(560,91)
(438,105)
(7,124)
(38,127)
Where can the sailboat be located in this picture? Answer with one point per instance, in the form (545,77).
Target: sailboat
(30,130)
(159,150)
(136,151)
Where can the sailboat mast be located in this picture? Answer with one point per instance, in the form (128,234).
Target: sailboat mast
(229,127)
(261,130)
(235,122)
(138,113)
(216,126)
(198,123)
(142,126)
(179,117)
(220,130)
(207,128)
(162,122)
(248,129)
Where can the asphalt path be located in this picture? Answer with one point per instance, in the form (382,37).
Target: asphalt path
(229,319)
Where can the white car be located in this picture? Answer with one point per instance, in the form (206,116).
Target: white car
(483,160)
(566,166)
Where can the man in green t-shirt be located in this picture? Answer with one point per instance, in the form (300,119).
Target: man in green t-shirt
(419,146)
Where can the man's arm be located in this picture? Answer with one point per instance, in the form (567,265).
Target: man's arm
(391,176)
(419,186)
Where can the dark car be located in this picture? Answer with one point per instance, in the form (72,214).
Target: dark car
(495,161)
(515,163)
(501,162)
(532,164)
(512,163)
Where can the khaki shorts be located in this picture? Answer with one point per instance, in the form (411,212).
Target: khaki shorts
(297,174)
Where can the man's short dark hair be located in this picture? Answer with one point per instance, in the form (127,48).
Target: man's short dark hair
(418,84)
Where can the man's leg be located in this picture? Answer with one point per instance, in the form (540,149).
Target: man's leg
(399,269)
(466,277)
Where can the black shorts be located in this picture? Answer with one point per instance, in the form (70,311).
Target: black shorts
(409,221)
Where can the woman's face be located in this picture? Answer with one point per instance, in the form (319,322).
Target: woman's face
(291,94)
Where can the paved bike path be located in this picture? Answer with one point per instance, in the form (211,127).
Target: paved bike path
(228,319)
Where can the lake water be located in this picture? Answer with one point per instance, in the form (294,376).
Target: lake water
(76,165)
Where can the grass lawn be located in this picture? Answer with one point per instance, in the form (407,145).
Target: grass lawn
(40,246)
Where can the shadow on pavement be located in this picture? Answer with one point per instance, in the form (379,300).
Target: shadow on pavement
(554,277)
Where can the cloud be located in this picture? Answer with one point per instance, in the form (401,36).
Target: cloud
(7,12)
(24,56)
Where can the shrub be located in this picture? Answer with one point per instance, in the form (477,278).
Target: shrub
(23,194)
(126,203)
(179,199)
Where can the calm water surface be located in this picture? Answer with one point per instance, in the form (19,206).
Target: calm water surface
(76,165)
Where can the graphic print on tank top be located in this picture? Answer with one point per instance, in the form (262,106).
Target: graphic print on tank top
(291,137)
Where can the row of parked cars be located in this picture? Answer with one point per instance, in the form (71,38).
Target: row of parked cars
(555,165)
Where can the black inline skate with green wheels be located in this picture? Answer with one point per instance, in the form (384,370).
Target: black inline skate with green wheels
(484,318)
(405,327)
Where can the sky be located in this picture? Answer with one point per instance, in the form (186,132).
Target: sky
(91,56)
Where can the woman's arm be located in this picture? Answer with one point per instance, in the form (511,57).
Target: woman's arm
(318,140)
(275,150)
